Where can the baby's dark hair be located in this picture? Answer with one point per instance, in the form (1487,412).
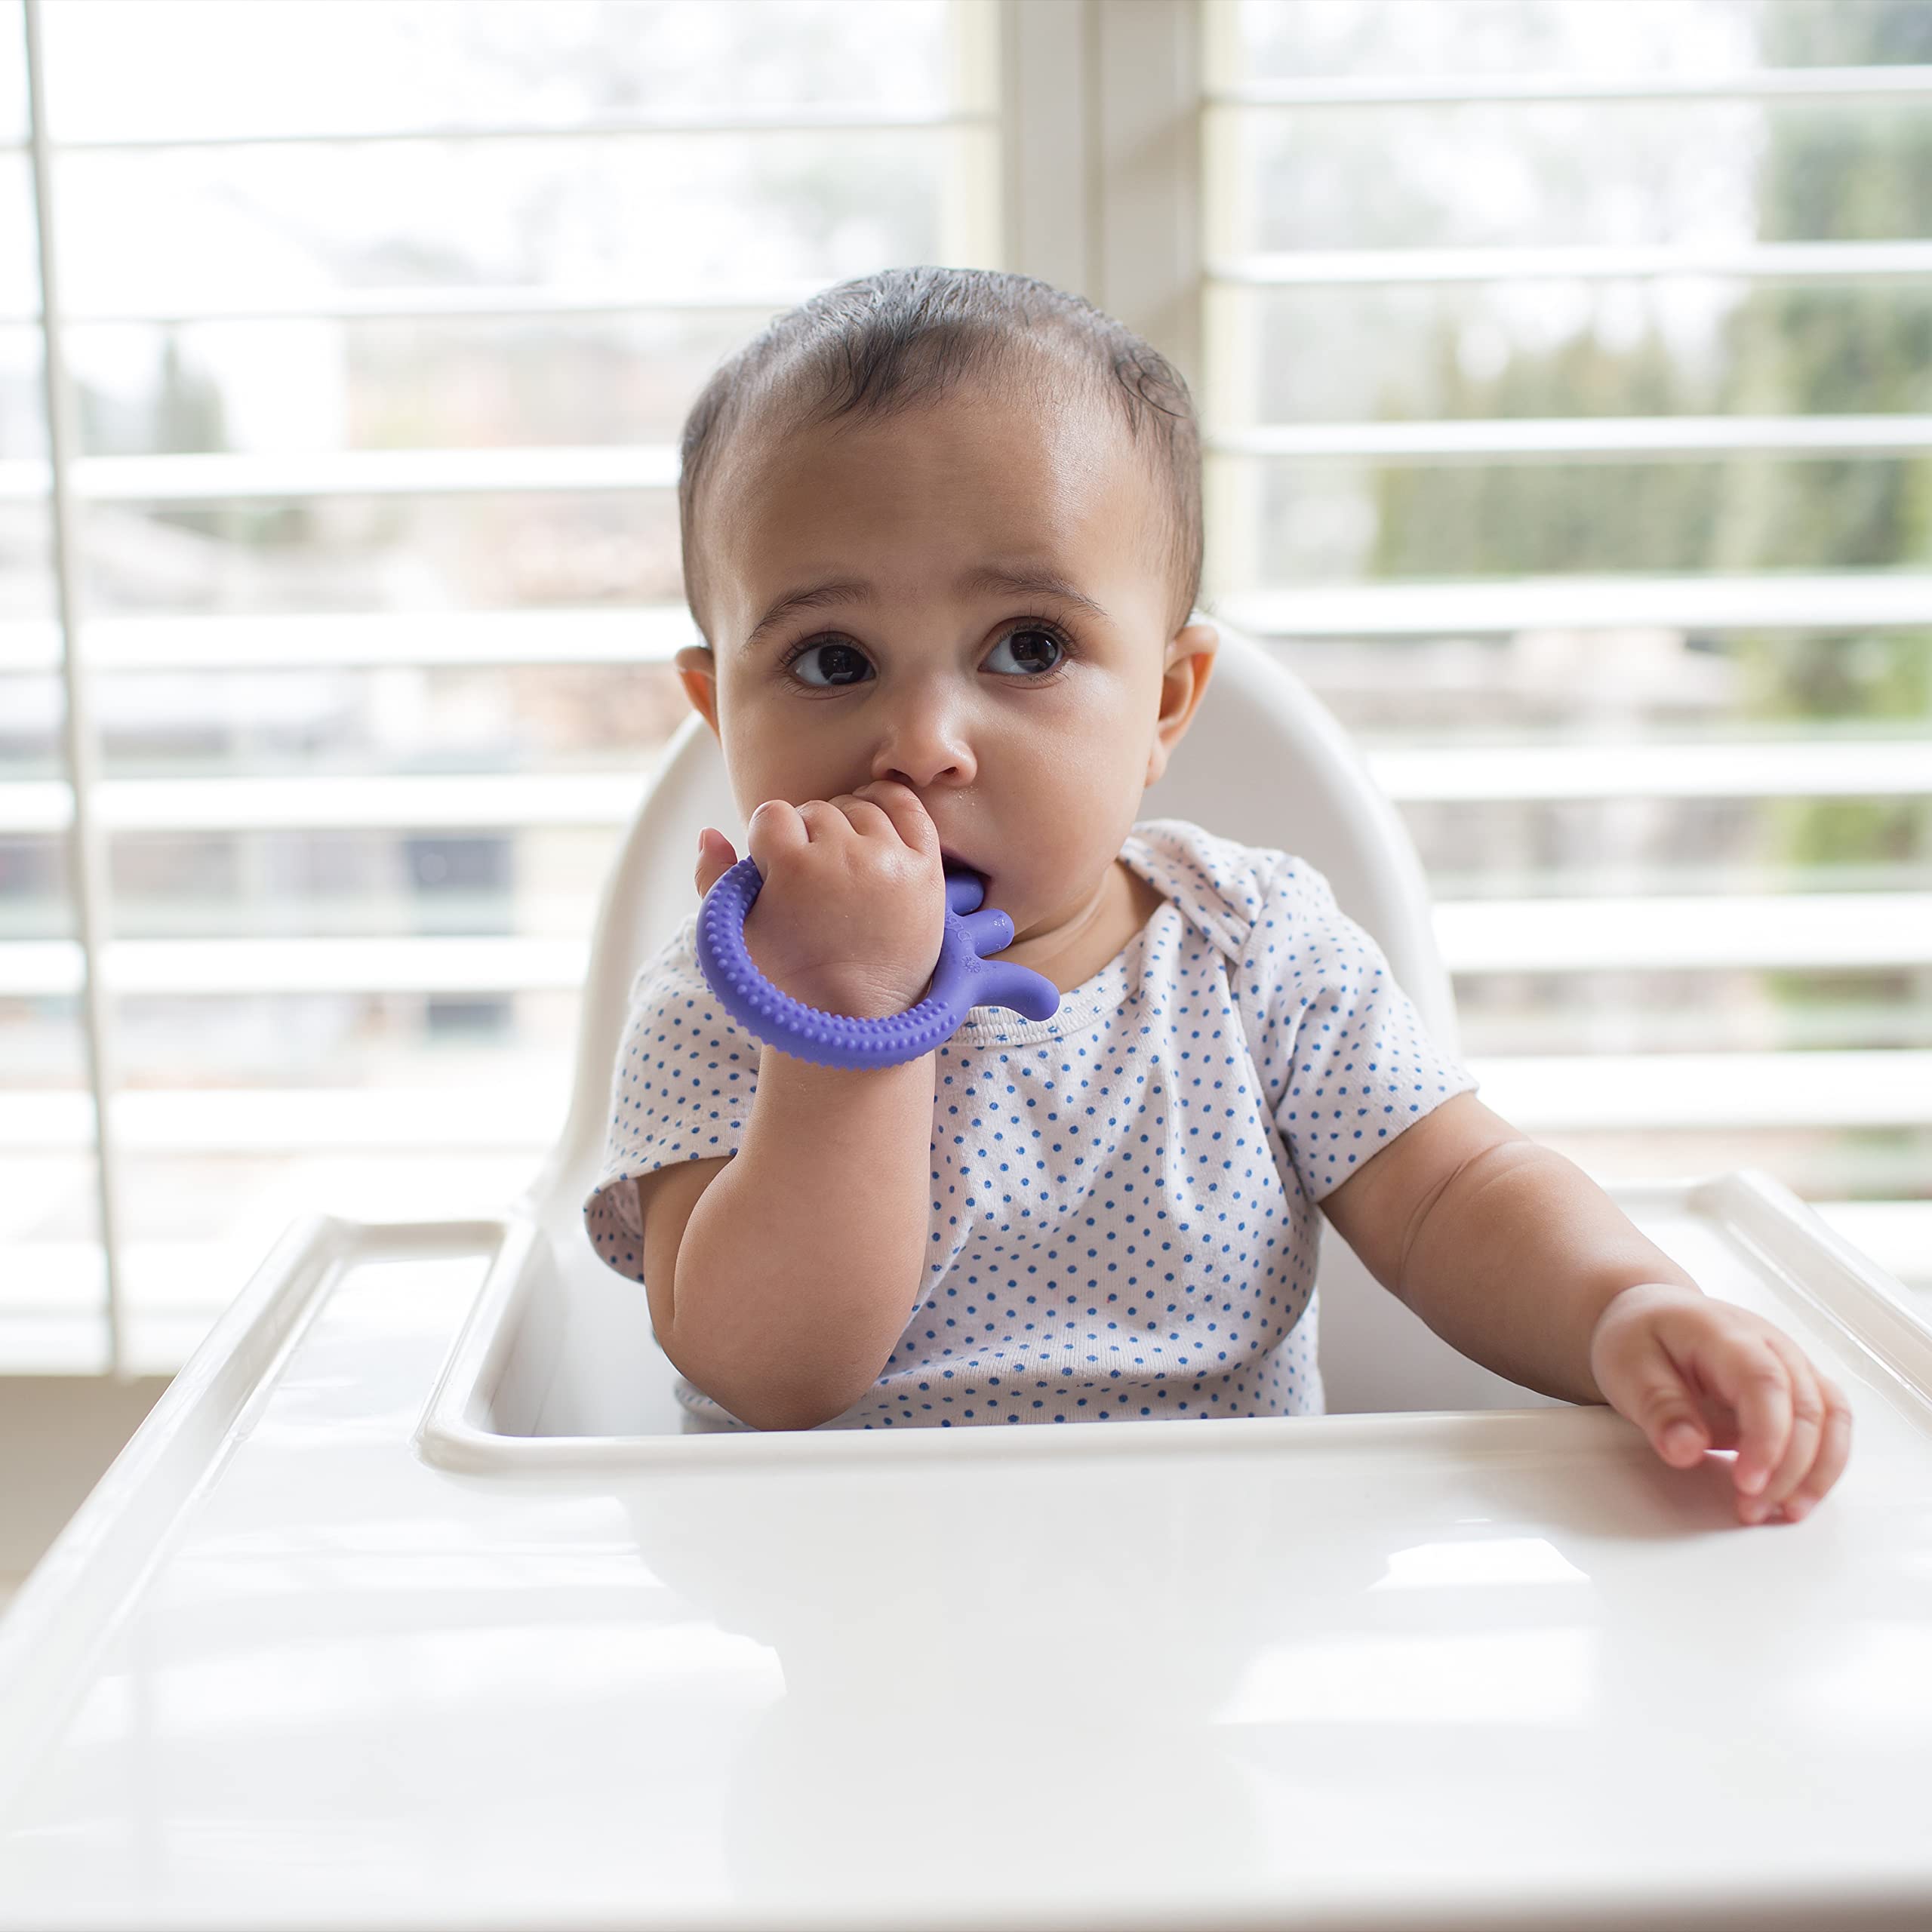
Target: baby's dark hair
(903,335)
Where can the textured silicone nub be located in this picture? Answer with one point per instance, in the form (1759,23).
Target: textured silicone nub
(963,979)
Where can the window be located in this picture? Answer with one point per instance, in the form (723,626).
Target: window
(1570,368)
(377,324)
(1564,370)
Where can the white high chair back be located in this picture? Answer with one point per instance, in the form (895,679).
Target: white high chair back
(1266,763)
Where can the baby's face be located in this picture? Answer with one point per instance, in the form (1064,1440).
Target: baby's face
(971,597)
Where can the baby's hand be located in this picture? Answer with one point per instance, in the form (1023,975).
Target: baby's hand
(1693,1374)
(852,910)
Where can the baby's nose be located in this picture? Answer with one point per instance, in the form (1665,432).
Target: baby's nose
(924,740)
(921,777)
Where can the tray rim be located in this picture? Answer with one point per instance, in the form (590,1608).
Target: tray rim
(1809,1264)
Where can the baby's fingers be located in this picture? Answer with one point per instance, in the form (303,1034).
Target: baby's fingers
(778,829)
(1695,1374)
(1834,1451)
(1801,1449)
(1654,1383)
(1753,1376)
(716,858)
(1711,1353)
(902,807)
(1666,1414)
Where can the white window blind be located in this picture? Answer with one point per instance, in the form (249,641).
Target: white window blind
(370,330)
(1566,430)
(1568,371)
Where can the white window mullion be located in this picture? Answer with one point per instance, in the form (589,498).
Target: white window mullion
(1046,159)
(86,849)
(1101,115)
(973,215)
(1147,75)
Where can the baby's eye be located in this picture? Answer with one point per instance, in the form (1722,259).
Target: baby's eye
(848,665)
(1037,651)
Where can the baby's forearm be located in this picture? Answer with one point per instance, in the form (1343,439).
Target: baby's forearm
(801,1262)
(1517,1257)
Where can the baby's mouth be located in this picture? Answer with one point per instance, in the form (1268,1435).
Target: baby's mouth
(951,862)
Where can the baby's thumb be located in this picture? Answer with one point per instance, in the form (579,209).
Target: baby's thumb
(715,859)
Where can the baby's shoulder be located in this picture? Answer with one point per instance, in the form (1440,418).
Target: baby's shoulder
(1235,894)
(670,968)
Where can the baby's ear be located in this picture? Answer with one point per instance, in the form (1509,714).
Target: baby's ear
(1190,662)
(697,672)
(1201,636)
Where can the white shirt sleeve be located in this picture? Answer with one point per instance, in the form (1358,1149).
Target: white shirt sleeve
(1345,1058)
(681,1091)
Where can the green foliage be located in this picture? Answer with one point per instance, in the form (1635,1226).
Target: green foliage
(1830,172)
(1541,517)
(1842,175)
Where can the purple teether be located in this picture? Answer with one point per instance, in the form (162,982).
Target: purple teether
(964,978)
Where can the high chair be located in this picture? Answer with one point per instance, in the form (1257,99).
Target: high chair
(409,1606)
(1264,763)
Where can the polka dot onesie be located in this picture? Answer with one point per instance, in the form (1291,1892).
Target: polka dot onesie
(1123,1196)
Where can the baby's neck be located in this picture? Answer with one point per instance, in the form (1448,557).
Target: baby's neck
(1073,955)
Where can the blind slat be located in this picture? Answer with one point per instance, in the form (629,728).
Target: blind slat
(1895,83)
(1610,438)
(795,118)
(1744,261)
(1730,932)
(474,303)
(227,477)
(1776,601)
(648,633)
(1639,1092)
(607,634)
(1570,1092)
(1774,768)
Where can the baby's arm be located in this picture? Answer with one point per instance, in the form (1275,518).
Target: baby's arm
(1506,1250)
(800,1264)
(801,1260)
(1515,1256)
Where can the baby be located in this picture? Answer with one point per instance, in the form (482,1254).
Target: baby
(941,533)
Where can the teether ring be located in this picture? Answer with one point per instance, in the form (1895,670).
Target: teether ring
(963,978)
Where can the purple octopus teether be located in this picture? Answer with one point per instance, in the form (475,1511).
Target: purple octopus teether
(963,978)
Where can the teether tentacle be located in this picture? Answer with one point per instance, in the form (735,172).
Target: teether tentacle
(1031,995)
(990,930)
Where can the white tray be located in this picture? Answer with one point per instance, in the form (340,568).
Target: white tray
(330,1645)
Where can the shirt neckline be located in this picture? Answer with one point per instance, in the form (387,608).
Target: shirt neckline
(1105,992)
